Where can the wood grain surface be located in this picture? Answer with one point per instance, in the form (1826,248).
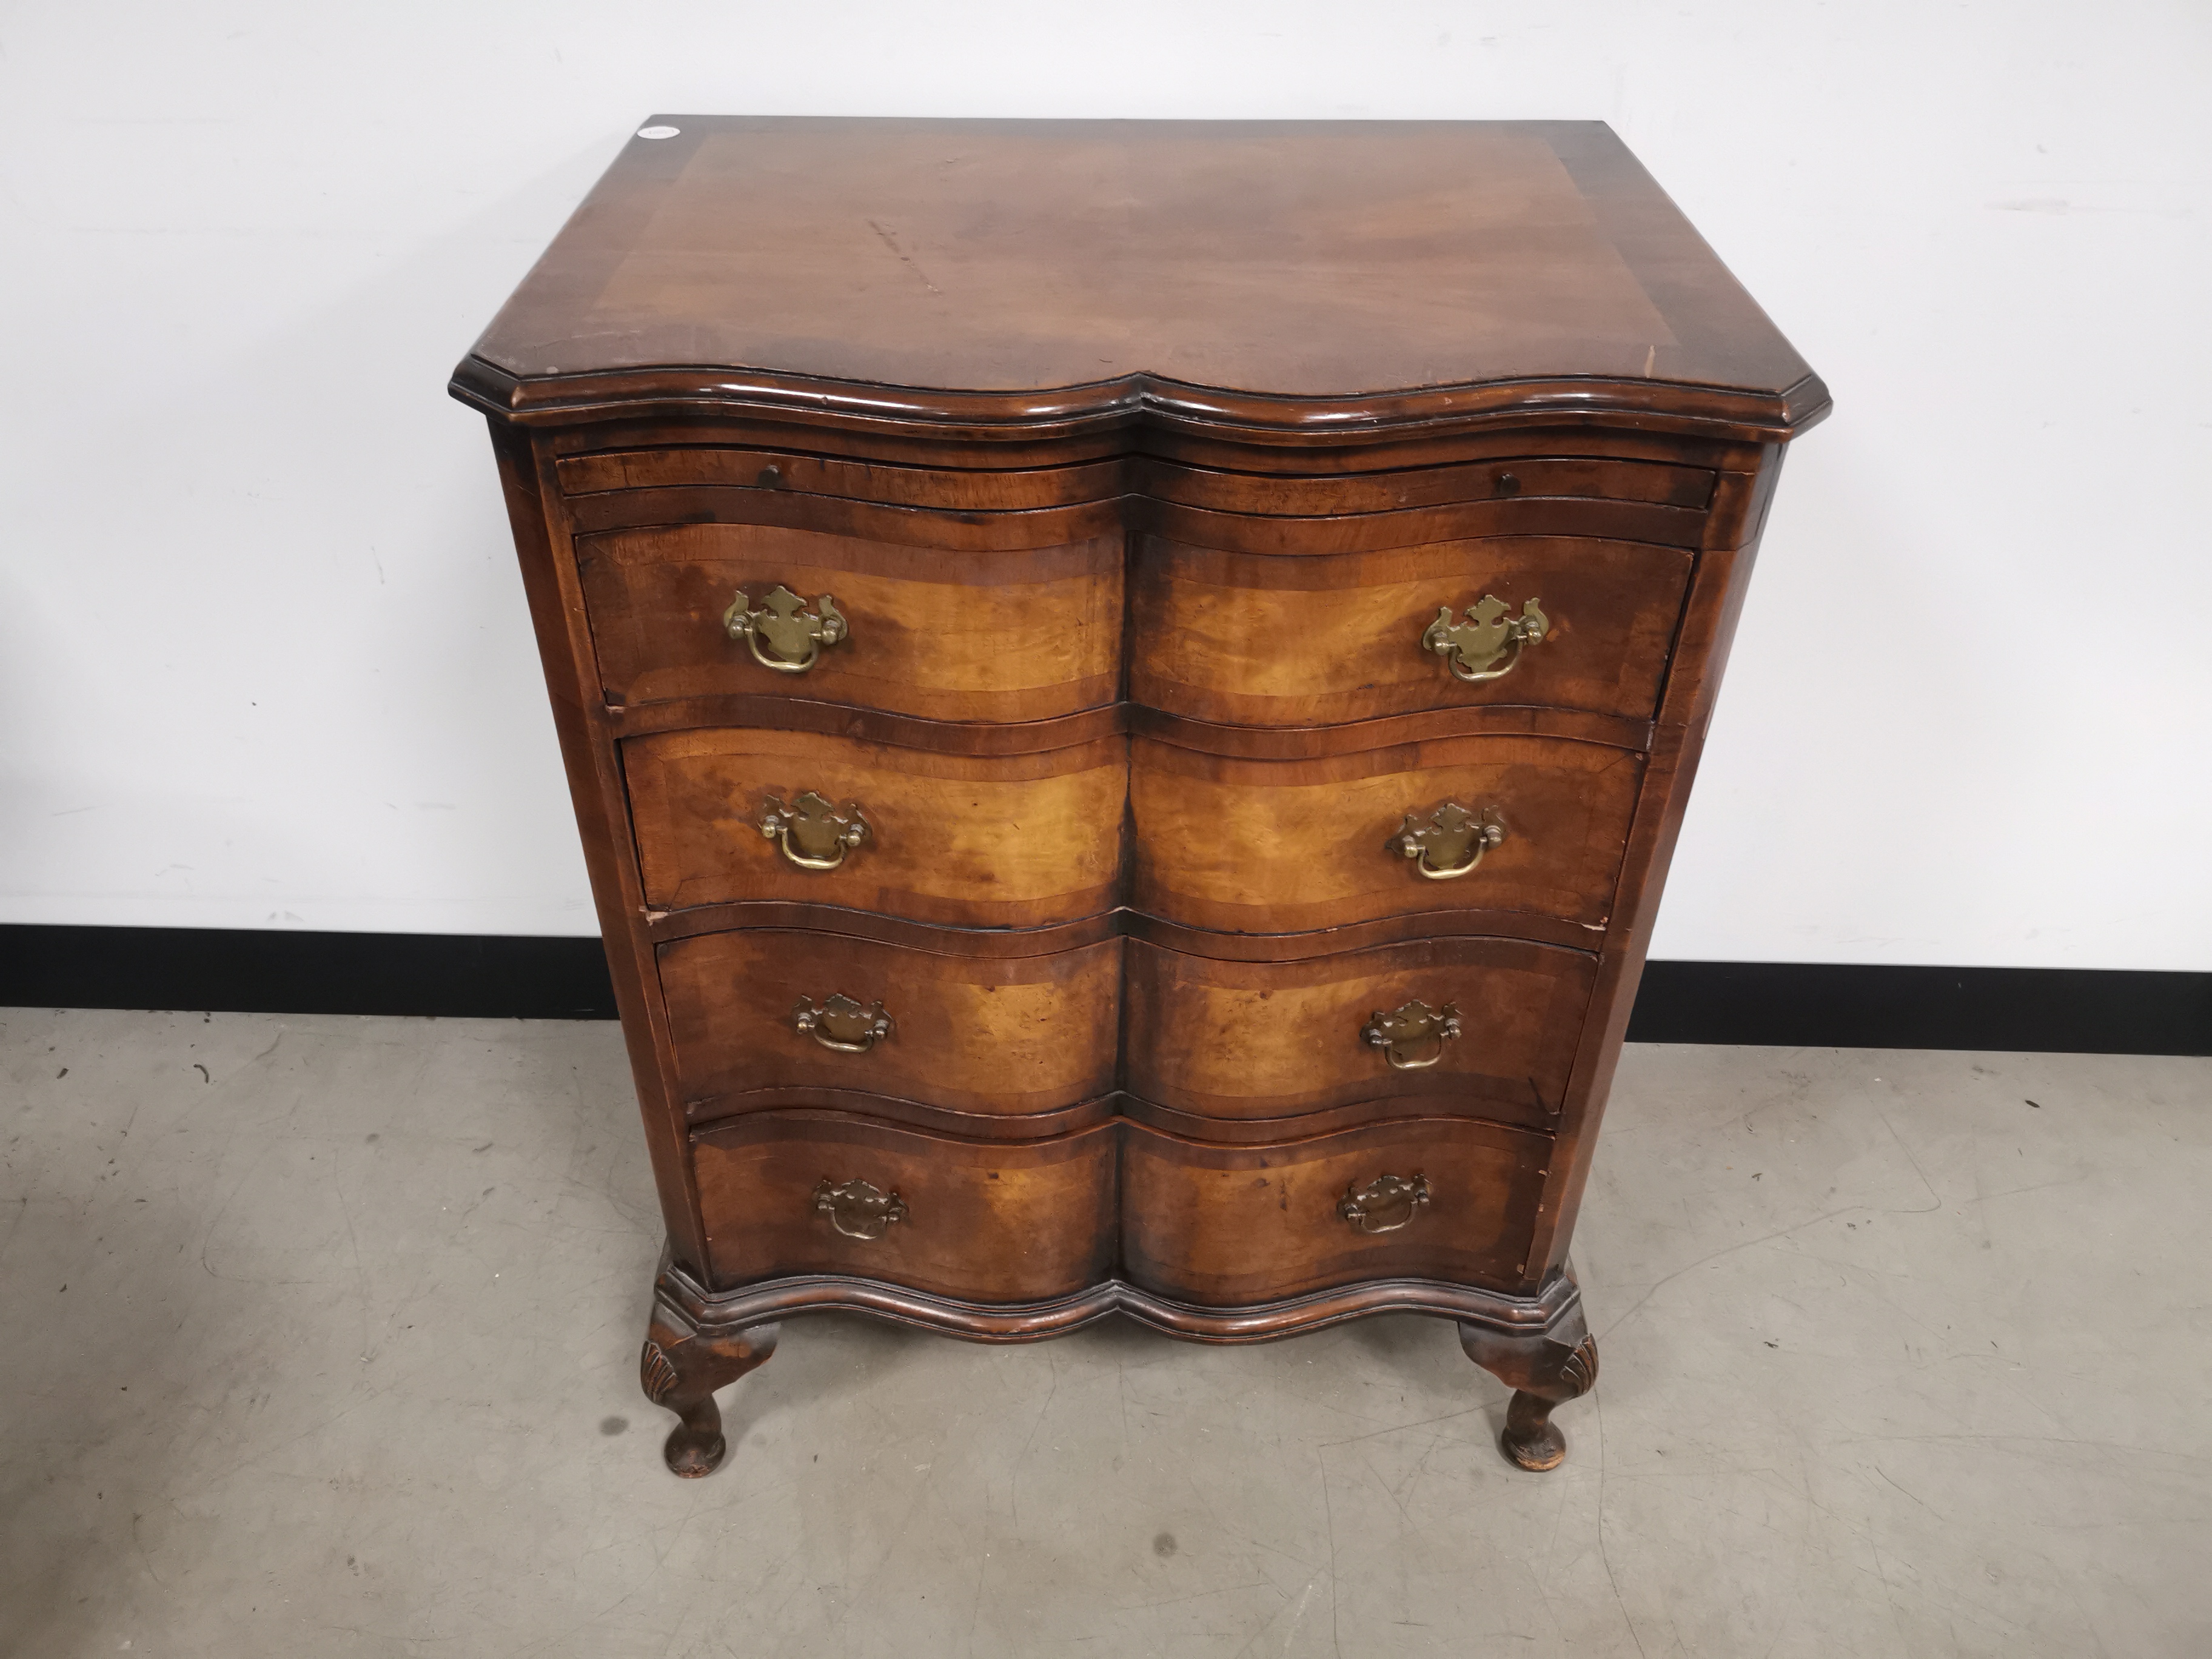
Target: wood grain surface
(722,464)
(973,1033)
(1004,636)
(1019,841)
(1246,1040)
(1255,640)
(987,1221)
(1294,259)
(1228,1225)
(1279,847)
(1504,481)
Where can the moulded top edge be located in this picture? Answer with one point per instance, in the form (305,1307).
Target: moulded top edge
(583,398)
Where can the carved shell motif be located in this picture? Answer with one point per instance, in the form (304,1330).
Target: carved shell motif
(1579,1370)
(656,1372)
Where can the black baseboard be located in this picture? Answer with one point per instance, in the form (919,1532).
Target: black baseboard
(451,975)
(1804,1005)
(1791,1004)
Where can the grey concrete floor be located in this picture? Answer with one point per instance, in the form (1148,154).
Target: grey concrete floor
(321,1339)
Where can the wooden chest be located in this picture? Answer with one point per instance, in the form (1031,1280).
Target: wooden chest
(1129,688)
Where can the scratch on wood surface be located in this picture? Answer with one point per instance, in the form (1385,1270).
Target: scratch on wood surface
(891,242)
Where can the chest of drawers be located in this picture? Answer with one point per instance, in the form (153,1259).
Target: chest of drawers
(1128,688)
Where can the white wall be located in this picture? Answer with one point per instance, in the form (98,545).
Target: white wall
(263,651)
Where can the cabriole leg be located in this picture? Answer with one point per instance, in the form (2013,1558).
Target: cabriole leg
(681,1368)
(1543,1372)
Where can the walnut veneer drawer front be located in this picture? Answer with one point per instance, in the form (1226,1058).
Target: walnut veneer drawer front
(1510,485)
(1018,841)
(766,1014)
(603,487)
(979,1221)
(1317,639)
(1284,847)
(1429,1198)
(1479,1026)
(606,487)
(1002,634)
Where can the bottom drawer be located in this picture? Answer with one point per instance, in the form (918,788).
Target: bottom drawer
(981,1221)
(1228,1227)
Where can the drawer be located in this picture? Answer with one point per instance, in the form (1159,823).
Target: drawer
(994,635)
(713,467)
(998,1036)
(1019,840)
(1500,478)
(1513,485)
(1283,846)
(1229,1226)
(1246,1040)
(981,1221)
(1255,638)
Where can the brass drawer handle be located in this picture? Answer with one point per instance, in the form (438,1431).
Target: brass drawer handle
(1384,1204)
(1451,843)
(1486,646)
(857,1209)
(1412,1036)
(813,833)
(842,1024)
(795,636)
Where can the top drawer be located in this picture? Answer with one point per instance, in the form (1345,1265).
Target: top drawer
(1254,600)
(1276,629)
(1020,633)
(1523,495)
